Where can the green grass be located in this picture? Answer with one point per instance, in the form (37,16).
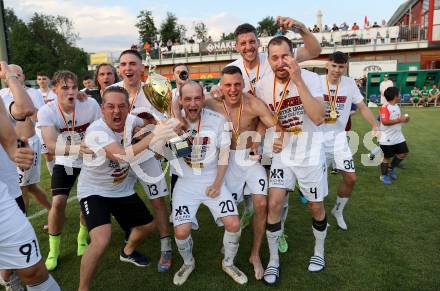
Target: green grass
(392,242)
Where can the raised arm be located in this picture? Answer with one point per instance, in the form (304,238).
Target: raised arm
(312,48)
(22,106)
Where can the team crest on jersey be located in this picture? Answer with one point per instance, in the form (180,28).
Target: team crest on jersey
(119,173)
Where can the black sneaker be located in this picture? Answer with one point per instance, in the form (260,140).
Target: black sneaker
(135,258)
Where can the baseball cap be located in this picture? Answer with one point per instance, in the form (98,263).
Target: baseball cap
(386,75)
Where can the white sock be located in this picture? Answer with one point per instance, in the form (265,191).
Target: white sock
(50,165)
(231,241)
(165,244)
(185,249)
(272,242)
(340,203)
(49,285)
(248,204)
(319,241)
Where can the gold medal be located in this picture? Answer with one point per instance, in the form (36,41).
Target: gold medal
(333,114)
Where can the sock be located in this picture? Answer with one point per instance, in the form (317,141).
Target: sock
(384,169)
(340,203)
(185,249)
(230,243)
(248,204)
(273,233)
(49,165)
(165,244)
(320,232)
(395,162)
(49,285)
(54,245)
(82,235)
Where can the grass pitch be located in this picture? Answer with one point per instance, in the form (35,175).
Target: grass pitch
(392,242)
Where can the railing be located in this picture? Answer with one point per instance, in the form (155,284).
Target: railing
(371,36)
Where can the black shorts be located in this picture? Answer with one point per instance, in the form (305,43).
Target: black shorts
(390,151)
(128,211)
(20,203)
(63,179)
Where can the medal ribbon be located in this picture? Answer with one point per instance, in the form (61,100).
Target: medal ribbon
(64,118)
(257,77)
(278,108)
(235,130)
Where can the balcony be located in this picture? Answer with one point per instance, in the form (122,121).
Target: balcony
(365,40)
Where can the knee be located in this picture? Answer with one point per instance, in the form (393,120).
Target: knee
(402,156)
(317,210)
(274,205)
(180,233)
(232,225)
(100,242)
(58,205)
(260,206)
(350,179)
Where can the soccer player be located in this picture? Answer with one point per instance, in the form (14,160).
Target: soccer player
(392,142)
(434,94)
(201,181)
(105,187)
(43,81)
(105,76)
(63,123)
(19,248)
(30,178)
(296,98)
(152,178)
(244,176)
(415,97)
(340,93)
(424,93)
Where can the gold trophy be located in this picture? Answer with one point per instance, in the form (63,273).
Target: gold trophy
(158,91)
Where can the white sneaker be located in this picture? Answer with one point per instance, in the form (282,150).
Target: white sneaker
(235,273)
(339,219)
(182,275)
(14,283)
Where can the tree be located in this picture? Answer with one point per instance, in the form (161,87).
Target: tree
(170,30)
(229,36)
(145,25)
(201,31)
(46,43)
(268,25)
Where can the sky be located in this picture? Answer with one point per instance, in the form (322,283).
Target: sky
(109,25)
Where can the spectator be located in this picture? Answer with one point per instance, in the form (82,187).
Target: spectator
(355,26)
(134,47)
(335,27)
(264,33)
(316,29)
(434,94)
(156,49)
(375,25)
(344,26)
(384,23)
(386,83)
(425,95)
(88,83)
(209,39)
(326,28)
(169,45)
(415,97)
(280,31)
(191,40)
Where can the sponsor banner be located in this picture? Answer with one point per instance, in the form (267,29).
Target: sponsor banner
(361,69)
(217,46)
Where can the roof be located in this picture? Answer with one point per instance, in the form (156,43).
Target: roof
(403,8)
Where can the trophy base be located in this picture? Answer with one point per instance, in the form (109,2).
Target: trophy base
(180,148)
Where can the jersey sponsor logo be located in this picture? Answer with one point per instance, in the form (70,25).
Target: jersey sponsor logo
(277,176)
(182,213)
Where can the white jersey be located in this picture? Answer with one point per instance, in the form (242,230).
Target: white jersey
(252,76)
(347,94)
(48,95)
(85,113)
(34,94)
(209,135)
(306,140)
(142,106)
(390,134)
(9,174)
(101,176)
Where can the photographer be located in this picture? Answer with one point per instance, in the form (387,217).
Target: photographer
(181,75)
